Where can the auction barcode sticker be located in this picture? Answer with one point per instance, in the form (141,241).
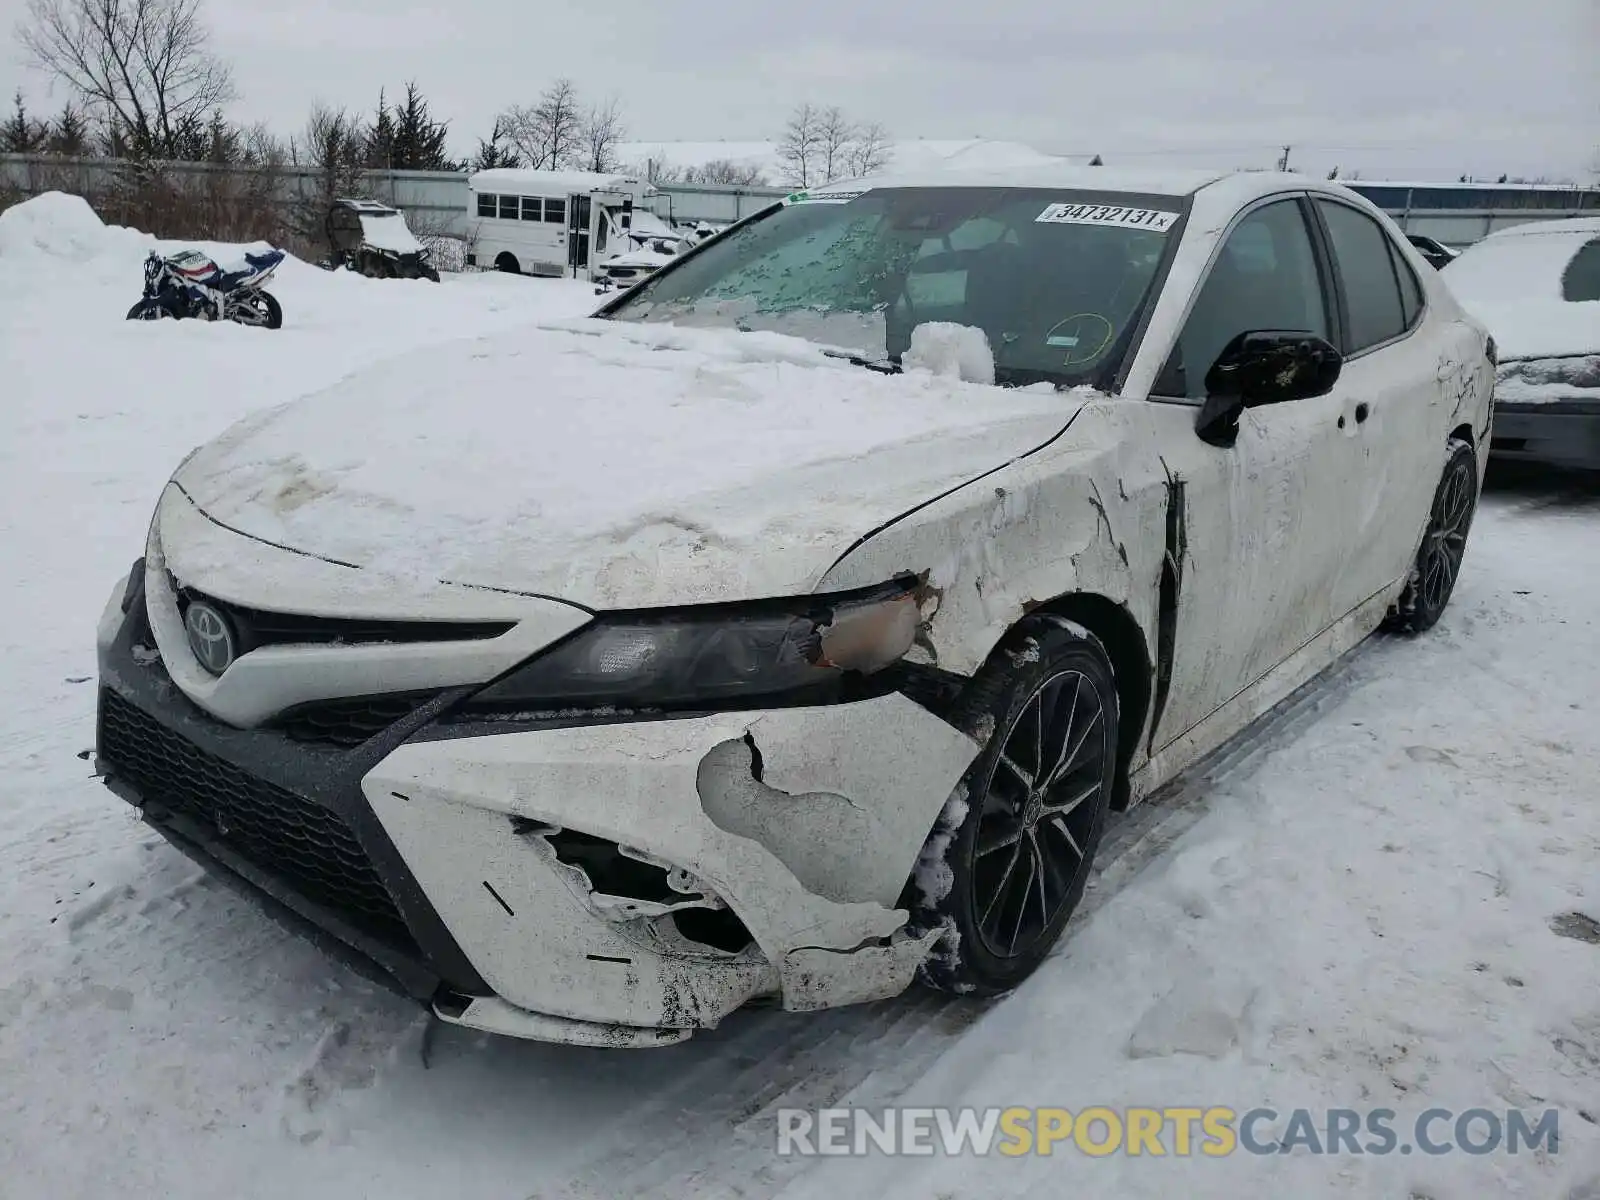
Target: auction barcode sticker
(1108,214)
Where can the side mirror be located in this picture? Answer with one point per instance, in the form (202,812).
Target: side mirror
(1260,367)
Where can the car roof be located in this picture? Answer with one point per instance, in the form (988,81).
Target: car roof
(1160,182)
(1153,181)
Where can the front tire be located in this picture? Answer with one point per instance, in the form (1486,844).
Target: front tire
(1010,857)
(152,309)
(1444,544)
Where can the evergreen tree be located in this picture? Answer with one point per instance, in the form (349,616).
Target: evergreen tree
(69,135)
(21,134)
(419,140)
(380,153)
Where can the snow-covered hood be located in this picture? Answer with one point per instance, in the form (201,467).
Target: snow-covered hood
(611,464)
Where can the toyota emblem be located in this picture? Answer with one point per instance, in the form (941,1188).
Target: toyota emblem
(210,637)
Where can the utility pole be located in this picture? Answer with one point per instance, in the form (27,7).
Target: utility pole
(1283,163)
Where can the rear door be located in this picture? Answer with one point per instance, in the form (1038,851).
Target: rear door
(1397,402)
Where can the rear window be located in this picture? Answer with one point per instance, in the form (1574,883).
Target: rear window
(1371,288)
(1581,280)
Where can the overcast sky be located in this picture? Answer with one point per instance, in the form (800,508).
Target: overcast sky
(1399,87)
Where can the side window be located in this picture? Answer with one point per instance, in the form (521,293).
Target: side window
(508,208)
(1581,280)
(531,208)
(486,205)
(1264,277)
(1371,291)
(1410,287)
(555,211)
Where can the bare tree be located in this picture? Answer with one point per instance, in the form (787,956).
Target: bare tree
(603,131)
(835,133)
(869,152)
(725,170)
(655,168)
(799,147)
(548,135)
(144,67)
(334,145)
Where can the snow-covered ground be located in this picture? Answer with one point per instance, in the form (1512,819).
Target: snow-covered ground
(1352,907)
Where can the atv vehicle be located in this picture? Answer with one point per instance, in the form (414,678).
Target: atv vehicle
(374,239)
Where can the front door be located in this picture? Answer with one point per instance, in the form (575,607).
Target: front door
(1258,530)
(579,216)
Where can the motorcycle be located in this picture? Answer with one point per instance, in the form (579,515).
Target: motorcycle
(192,284)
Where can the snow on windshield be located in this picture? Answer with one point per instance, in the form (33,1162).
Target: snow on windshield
(388,231)
(1053,281)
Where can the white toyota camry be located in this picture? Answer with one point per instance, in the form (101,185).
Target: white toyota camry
(787,630)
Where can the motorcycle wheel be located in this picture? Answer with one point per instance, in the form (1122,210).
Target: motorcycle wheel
(259,311)
(274,310)
(151,309)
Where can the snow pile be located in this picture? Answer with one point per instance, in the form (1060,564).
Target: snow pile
(56,226)
(950,351)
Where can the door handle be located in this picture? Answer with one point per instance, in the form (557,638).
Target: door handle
(1362,411)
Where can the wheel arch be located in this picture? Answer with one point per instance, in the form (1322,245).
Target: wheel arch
(1125,644)
(507,261)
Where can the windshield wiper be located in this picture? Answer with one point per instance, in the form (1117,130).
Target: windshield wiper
(884,366)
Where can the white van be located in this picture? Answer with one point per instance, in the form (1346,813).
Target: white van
(551,222)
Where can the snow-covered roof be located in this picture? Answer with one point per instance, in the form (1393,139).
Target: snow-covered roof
(1575,227)
(909,154)
(548,183)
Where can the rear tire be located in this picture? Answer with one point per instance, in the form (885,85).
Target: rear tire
(274,310)
(1444,543)
(508,263)
(1007,862)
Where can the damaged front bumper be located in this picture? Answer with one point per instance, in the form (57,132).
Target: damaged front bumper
(617,884)
(658,875)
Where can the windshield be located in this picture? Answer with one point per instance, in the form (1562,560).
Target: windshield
(1056,280)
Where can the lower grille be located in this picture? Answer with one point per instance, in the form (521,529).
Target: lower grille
(308,846)
(348,723)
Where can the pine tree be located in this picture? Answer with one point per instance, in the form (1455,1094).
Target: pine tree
(21,134)
(418,139)
(69,135)
(380,150)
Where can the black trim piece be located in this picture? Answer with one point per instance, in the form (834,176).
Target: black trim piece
(1333,299)
(327,777)
(257,627)
(1152,298)
(1554,408)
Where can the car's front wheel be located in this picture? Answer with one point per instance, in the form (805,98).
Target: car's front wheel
(1444,544)
(1011,854)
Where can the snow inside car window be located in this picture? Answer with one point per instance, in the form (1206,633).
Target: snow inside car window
(1054,280)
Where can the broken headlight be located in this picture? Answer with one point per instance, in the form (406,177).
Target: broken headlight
(713,655)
